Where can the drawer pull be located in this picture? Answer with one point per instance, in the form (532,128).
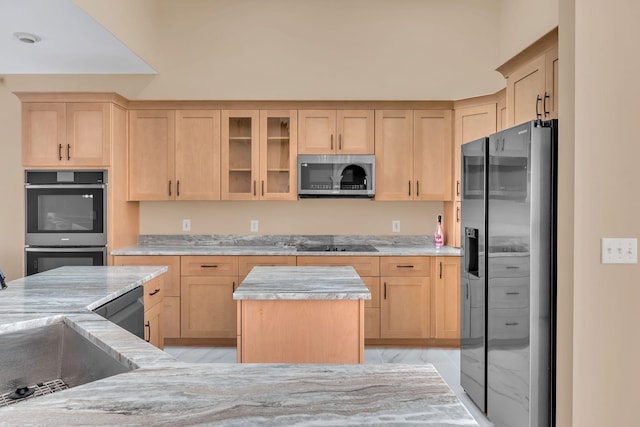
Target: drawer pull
(208,266)
(511,324)
(512,267)
(405,266)
(154,292)
(513,293)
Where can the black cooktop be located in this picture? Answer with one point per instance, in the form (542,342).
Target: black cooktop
(336,248)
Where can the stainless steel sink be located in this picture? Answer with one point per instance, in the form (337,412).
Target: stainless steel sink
(52,352)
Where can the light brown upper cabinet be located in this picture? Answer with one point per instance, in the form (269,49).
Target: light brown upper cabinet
(471,123)
(174,155)
(259,150)
(66,134)
(532,81)
(336,132)
(413,154)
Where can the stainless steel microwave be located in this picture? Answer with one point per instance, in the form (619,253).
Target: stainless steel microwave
(336,175)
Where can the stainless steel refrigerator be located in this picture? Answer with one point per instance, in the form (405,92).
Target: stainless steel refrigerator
(508,274)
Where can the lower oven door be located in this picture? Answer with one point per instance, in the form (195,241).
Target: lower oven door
(38,260)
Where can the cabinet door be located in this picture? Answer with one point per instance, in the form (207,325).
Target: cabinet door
(278,155)
(551,83)
(405,307)
(154,326)
(44,134)
(471,123)
(355,130)
(316,131)
(88,134)
(452,224)
(197,155)
(394,155)
(240,154)
(524,86)
(207,307)
(446,297)
(432,140)
(151,155)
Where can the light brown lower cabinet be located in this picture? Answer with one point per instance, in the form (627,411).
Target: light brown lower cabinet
(412,297)
(153,296)
(446,297)
(405,304)
(153,326)
(207,307)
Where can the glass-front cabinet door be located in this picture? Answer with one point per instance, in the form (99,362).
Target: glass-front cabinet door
(278,154)
(240,154)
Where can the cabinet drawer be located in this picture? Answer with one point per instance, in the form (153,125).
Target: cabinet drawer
(405,266)
(364,265)
(246,263)
(209,265)
(153,292)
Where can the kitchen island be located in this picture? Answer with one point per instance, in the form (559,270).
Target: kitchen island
(162,391)
(301,315)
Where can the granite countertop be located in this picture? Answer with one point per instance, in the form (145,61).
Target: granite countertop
(302,283)
(163,391)
(282,245)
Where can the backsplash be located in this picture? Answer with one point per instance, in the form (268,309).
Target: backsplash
(280,240)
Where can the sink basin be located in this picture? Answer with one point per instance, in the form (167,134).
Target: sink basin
(52,352)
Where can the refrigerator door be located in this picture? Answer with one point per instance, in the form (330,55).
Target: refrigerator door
(518,275)
(472,272)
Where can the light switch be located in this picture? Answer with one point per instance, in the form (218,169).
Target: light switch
(254,225)
(395,226)
(186,225)
(619,251)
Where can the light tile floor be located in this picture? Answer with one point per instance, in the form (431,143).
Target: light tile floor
(446,361)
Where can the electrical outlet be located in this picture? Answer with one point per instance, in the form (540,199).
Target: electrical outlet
(395,226)
(186,225)
(619,251)
(254,225)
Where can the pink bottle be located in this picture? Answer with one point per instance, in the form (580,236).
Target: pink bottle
(439,236)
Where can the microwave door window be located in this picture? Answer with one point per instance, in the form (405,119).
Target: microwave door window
(317,177)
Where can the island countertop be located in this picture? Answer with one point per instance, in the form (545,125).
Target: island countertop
(302,283)
(163,391)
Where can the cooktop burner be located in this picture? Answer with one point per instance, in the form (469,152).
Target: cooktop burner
(336,248)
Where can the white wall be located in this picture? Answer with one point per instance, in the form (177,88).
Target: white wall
(606,348)
(522,22)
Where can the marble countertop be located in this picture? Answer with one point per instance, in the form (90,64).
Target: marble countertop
(302,283)
(283,245)
(163,391)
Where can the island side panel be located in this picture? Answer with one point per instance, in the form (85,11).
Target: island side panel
(302,331)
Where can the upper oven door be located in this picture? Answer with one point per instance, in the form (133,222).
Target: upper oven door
(65,215)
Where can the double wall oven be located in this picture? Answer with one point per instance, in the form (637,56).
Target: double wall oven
(65,219)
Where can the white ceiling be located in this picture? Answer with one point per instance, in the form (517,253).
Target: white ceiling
(71,41)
